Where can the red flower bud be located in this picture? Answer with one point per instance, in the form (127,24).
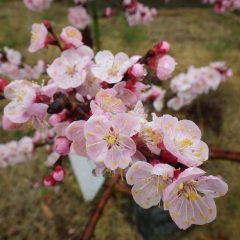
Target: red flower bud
(48,181)
(58,173)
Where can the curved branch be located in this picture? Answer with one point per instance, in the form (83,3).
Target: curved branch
(107,193)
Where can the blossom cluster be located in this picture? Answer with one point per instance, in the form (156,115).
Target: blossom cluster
(13,67)
(92,105)
(221,6)
(15,152)
(188,86)
(137,13)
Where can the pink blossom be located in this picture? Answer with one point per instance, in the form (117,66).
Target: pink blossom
(110,68)
(156,95)
(183,140)
(149,182)
(128,97)
(90,87)
(38,38)
(165,67)
(69,70)
(37,5)
(71,37)
(22,107)
(15,152)
(106,102)
(189,199)
(79,17)
(62,145)
(109,141)
(188,86)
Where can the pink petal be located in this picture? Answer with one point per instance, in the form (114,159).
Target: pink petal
(212,186)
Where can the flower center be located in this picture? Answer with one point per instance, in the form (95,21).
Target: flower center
(189,191)
(154,136)
(111,139)
(71,70)
(34,37)
(186,142)
(114,69)
(72,33)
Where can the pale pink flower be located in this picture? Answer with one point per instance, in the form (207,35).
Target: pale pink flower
(106,102)
(90,87)
(189,199)
(75,133)
(149,182)
(128,97)
(165,67)
(109,141)
(183,140)
(110,68)
(69,70)
(37,5)
(22,107)
(71,37)
(38,38)
(156,95)
(79,17)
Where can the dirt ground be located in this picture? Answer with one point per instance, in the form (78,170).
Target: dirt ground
(198,36)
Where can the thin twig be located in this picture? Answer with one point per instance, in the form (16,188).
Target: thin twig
(216,153)
(106,195)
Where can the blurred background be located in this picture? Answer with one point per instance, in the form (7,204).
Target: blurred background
(198,36)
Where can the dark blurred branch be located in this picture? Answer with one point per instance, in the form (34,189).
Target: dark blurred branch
(216,153)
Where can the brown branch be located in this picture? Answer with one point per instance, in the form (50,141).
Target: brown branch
(216,153)
(107,193)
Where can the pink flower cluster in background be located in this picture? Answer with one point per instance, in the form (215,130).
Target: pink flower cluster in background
(78,17)
(92,106)
(37,5)
(15,152)
(137,13)
(13,67)
(188,86)
(221,6)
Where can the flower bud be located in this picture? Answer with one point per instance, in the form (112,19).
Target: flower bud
(138,71)
(58,173)
(62,146)
(165,67)
(162,47)
(3,84)
(48,181)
